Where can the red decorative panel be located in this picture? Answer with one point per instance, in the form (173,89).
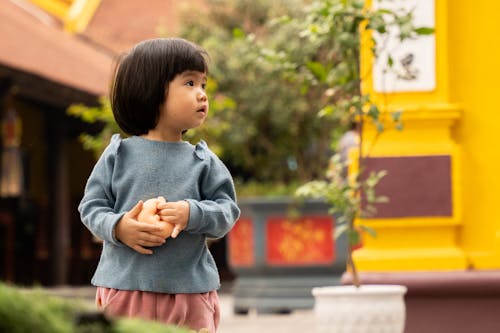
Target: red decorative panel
(241,243)
(308,240)
(415,185)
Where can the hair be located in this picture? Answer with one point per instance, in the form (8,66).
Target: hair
(141,80)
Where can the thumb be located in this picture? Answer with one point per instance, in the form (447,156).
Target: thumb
(176,231)
(136,210)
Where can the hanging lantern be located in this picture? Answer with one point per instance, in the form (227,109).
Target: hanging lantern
(12,178)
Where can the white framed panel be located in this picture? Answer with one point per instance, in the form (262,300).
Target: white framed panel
(414,60)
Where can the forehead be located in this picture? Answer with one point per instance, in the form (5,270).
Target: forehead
(193,74)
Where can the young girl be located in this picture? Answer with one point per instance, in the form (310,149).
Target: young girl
(158,94)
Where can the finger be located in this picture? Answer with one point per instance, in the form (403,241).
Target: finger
(165,211)
(148,227)
(162,205)
(167,218)
(176,231)
(136,210)
(167,205)
(142,250)
(147,243)
(152,238)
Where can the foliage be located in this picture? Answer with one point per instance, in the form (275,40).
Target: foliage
(23,310)
(342,194)
(263,116)
(270,132)
(101,114)
(138,325)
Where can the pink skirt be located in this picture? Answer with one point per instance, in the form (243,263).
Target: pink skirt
(194,311)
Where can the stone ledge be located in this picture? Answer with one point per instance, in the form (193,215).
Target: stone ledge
(448,283)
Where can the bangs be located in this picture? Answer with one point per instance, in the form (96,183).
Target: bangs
(191,59)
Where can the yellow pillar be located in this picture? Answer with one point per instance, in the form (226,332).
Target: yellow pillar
(420,229)
(474,32)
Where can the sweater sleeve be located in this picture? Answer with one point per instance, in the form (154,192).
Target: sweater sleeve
(97,206)
(217,213)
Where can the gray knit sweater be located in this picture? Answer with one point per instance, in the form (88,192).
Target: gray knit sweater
(136,169)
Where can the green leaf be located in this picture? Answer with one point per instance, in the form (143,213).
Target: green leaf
(396,115)
(390,61)
(424,31)
(354,237)
(318,70)
(373,112)
(385,11)
(326,111)
(238,33)
(368,230)
(340,230)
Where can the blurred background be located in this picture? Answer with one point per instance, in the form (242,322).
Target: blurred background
(283,96)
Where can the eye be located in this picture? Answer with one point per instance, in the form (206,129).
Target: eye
(190,83)
(204,86)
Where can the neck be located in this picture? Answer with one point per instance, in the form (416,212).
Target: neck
(162,136)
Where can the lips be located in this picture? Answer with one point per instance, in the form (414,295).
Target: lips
(202,110)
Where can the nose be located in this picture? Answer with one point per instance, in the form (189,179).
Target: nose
(202,95)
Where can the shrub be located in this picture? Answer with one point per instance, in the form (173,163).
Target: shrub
(26,310)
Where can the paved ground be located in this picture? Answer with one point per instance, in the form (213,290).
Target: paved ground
(295,322)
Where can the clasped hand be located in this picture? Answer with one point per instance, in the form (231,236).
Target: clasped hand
(150,223)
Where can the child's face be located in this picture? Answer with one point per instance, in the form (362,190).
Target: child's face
(186,104)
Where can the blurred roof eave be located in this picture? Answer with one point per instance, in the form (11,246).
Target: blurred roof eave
(33,43)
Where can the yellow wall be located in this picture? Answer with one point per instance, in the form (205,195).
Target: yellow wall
(474,54)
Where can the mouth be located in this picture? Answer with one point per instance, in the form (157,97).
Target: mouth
(203,110)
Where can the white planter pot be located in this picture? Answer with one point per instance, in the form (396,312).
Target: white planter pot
(367,309)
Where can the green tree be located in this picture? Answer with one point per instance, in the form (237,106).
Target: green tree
(266,126)
(101,115)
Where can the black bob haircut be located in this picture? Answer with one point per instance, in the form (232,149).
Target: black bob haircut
(142,76)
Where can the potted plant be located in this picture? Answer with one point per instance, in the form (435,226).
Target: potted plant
(349,308)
